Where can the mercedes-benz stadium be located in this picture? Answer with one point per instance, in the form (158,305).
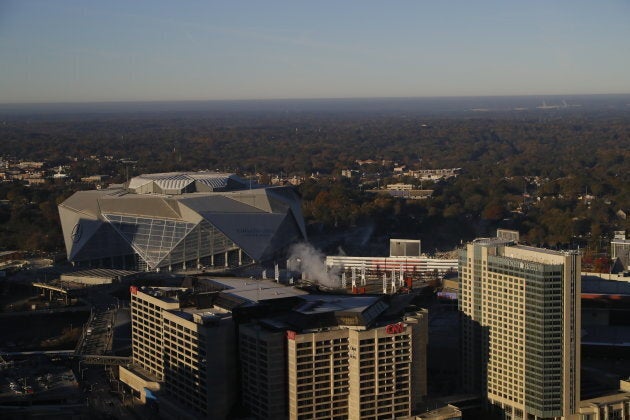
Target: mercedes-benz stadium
(180,220)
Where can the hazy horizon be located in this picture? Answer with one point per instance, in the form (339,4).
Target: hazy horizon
(418,106)
(324,98)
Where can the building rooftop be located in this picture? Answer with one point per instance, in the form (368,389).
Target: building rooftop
(606,335)
(315,312)
(185,182)
(250,290)
(166,294)
(318,304)
(544,250)
(223,294)
(606,399)
(597,286)
(442,413)
(100,272)
(151,219)
(491,241)
(203,316)
(141,372)
(262,293)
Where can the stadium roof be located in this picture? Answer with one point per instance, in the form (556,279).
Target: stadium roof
(185,182)
(167,218)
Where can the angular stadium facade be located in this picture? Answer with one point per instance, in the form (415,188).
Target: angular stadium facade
(180,220)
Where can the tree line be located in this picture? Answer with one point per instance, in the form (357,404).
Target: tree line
(529,173)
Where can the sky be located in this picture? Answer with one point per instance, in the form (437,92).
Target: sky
(89,51)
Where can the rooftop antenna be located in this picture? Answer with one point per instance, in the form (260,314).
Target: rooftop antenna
(363,274)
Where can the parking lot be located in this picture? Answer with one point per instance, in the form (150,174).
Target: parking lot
(37,379)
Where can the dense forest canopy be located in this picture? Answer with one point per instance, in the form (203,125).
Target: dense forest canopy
(560,177)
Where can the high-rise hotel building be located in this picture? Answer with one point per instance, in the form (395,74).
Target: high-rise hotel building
(521,328)
(184,343)
(184,350)
(345,357)
(299,356)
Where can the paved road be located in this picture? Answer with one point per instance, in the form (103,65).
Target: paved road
(103,396)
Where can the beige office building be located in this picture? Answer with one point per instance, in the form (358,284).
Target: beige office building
(344,361)
(185,345)
(521,328)
(186,352)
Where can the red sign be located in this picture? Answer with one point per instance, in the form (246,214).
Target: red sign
(133,290)
(395,328)
(291,334)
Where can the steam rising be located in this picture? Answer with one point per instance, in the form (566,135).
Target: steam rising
(311,263)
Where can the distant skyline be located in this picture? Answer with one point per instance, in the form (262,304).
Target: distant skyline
(89,51)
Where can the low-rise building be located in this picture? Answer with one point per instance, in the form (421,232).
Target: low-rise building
(620,250)
(94,178)
(608,407)
(400,187)
(447,412)
(434,174)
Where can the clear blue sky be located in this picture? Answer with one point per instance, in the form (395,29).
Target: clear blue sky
(110,50)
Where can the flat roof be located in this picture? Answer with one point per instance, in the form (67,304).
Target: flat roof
(491,241)
(315,304)
(100,272)
(599,286)
(606,399)
(448,411)
(141,372)
(164,293)
(254,290)
(325,311)
(260,294)
(240,283)
(604,335)
(188,312)
(543,250)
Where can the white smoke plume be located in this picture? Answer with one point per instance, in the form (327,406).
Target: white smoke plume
(311,263)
